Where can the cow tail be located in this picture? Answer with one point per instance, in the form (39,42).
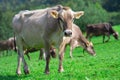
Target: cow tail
(15,47)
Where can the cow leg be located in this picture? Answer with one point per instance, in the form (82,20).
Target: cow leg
(26,52)
(71,52)
(90,37)
(7,53)
(103,38)
(87,36)
(47,49)
(18,71)
(28,56)
(71,48)
(47,62)
(41,54)
(108,38)
(25,66)
(61,56)
(21,58)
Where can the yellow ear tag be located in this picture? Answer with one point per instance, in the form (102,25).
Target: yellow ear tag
(54,14)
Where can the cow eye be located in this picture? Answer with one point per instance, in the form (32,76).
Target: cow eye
(92,48)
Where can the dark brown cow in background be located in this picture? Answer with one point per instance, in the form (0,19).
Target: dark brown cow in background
(104,29)
(41,54)
(6,45)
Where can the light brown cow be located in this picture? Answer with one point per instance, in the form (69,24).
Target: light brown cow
(41,29)
(77,39)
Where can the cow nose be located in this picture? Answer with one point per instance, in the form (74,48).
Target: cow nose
(67,32)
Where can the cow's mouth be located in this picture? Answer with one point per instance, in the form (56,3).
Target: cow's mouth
(91,53)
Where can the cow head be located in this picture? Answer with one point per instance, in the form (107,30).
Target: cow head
(89,48)
(116,35)
(65,18)
(53,52)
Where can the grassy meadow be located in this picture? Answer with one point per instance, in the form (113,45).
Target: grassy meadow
(104,66)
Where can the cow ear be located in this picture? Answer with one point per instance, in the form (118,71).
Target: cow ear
(91,43)
(54,14)
(77,15)
(87,44)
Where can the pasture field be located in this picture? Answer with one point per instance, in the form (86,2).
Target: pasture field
(104,66)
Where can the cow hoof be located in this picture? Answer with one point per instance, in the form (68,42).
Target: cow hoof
(61,70)
(18,72)
(26,72)
(47,72)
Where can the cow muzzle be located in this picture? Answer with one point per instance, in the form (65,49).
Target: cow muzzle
(91,52)
(68,33)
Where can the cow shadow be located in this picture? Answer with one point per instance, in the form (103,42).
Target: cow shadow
(81,56)
(98,43)
(8,77)
(11,77)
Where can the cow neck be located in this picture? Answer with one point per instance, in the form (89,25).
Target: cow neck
(83,39)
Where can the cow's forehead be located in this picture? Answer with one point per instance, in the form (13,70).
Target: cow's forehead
(67,13)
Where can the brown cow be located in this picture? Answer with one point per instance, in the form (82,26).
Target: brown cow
(104,29)
(77,39)
(42,52)
(41,29)
(6,45)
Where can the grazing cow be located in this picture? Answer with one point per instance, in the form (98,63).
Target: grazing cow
(42,52)
(104,29)
(7,44)
(77,39)
(41,29)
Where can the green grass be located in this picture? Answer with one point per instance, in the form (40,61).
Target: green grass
(104,66)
